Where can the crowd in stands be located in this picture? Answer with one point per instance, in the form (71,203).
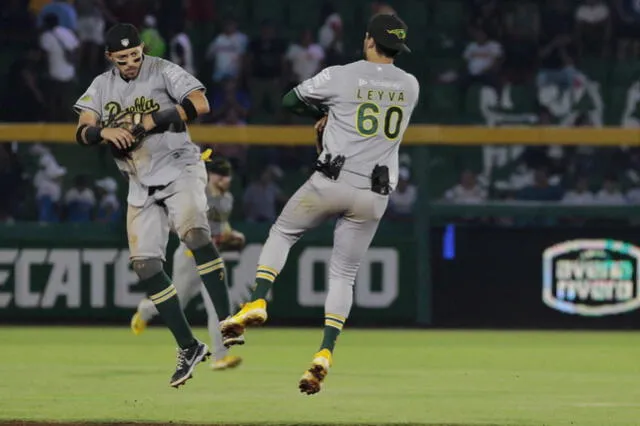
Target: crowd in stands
(545,46)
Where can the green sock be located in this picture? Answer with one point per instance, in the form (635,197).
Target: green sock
(211,270)
(163,294)
(265,276)
(332,327)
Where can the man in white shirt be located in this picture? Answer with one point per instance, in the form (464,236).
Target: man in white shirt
(402,200)
(484,58)
(467,191)
(227,51)
(305,58)
(60,45)
(580,195)
(610,193)
(181,50)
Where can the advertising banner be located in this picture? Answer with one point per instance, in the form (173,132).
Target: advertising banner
(537,277)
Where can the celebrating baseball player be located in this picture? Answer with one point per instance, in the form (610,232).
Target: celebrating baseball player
(185,277)
(140,109)
(368,105)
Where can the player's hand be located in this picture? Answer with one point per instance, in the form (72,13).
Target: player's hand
(319,128)
(320,124)
(147,122)
(118,136)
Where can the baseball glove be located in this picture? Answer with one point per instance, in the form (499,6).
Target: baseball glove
(131,121)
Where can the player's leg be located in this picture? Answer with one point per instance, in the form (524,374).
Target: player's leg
(221,358)
(148,231)
(306,209)
(186,281)
(187,207)
(352,237)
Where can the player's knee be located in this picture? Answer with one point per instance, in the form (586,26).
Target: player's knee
(196,238)
(280,233)
(147,268)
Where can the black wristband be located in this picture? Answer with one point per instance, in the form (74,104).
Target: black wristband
(79,139)
(189,109)
(91,135)
(166,117)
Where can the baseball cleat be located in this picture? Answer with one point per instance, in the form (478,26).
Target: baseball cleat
(138,325)
(188,358)
(229,361)
(232,328)
(312,379)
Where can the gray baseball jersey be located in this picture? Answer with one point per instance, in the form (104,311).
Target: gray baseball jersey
(160,85)
(370,106)
(220,206)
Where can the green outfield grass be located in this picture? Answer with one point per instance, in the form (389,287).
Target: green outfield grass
(379,377)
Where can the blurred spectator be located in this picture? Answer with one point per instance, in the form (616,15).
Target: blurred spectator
(23,99)
(79,201)
(265,62)
(627,28)
(132,12)
(330,39)
(403,199)
(16,24)
(48,184)
(91,25)
(557,51)
(227,51)
(181,50)
(12,190)
(541,190)
(488,14)
(108,205)
(633,196)
(230,98)
(62,9)
(522,29)
(61,45)
(200,11)
(580,195)
(610,193)
(262,196)
(380,7)
(305,58)
(154,44)
(593,28)
(468,191)
(484,58)
(631,114)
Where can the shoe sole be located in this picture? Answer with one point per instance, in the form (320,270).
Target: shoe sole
(231,331)
(200,358)
(313,384)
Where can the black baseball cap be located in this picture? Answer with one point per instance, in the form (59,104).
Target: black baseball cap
(389,31)
(121,37)
(219,166)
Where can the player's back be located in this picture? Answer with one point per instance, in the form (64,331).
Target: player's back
(369,114)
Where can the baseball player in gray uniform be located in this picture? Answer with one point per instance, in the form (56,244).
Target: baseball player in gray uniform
(185,276)
(140,109)
(368,105)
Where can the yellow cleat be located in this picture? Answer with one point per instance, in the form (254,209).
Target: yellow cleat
(312,379)
(138,325)
(252,313)
(229,361)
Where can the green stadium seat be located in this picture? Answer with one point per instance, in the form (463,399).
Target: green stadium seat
(596,69)
(449,16)
(274,10)
(304,14)
(443,103)
(615,99)
(625,72)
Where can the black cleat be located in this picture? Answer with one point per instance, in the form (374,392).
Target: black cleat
(188,358)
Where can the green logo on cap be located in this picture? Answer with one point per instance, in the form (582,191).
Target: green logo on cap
(400,33)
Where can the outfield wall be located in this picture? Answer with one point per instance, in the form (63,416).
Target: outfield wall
(482,277)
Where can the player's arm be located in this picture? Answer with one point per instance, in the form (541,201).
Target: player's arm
(298,105)
(89,132)
(193,105)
